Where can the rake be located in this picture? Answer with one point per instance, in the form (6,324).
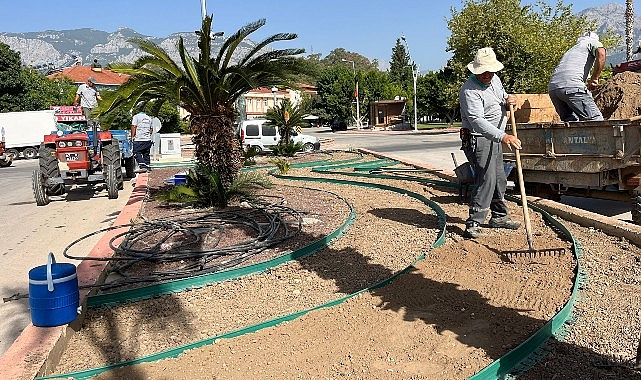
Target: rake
(532,252)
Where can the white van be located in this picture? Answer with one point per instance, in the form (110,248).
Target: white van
(260,136)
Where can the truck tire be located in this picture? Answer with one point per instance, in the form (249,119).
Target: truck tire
(38,187)
(130,167)
(111,156)
(49,169)
(15,152)
(30,153)
(111,178)
(636,209)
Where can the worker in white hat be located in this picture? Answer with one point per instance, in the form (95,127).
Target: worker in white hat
(570,95)
(484,104)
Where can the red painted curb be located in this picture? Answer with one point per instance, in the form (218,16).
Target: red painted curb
(37,350)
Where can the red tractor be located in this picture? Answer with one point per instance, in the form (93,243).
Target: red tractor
(77,158)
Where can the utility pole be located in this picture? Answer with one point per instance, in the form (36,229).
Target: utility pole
(414,67)
(358,109)
(203,7)
(629,28)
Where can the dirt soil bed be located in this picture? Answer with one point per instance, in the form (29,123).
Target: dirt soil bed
(463,306)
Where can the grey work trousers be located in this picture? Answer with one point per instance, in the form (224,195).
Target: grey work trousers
(574,104)
(486,158)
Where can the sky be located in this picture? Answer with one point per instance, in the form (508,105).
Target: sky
(369,28)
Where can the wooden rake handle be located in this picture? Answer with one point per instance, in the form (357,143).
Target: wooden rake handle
(519,170)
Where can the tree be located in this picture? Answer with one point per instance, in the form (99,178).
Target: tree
(207,87)
(338,55)
(400,71)
(335,91)
(11,87)
(438,94)
(286,117)
(529,40)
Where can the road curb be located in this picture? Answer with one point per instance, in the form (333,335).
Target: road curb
(37,350)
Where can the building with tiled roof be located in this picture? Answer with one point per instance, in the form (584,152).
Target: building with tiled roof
(105,78)
(259,100)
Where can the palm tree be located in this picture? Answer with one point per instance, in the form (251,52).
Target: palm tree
(207,87)
(286,117)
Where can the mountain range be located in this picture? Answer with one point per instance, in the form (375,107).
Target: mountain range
(60,48)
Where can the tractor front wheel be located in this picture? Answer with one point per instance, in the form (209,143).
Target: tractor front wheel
(113,184)
(39,189)
(49,169)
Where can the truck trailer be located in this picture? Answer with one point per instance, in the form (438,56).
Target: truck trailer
(25,131)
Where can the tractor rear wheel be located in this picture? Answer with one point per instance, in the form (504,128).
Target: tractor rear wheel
(111,178)
(111,156)
(39,190)
(49,169)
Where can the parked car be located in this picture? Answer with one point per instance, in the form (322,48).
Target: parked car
(338,125)
(260,136)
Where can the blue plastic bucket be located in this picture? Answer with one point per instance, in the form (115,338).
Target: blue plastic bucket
(54,296)
(180,178)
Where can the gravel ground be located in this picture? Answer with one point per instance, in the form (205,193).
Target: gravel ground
(465,305)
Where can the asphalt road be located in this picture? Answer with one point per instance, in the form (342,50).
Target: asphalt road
(30,232)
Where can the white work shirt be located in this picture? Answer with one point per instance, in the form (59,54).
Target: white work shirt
(144,128)
(88,96)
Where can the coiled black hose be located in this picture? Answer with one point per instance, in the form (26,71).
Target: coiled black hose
(184,246)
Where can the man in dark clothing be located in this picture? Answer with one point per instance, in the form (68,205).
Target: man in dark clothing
(141,131)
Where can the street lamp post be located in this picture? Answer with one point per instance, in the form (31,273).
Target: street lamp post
(358,108)
(414,77)
(274,90)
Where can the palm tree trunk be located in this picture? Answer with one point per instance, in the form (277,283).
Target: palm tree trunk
(217,145)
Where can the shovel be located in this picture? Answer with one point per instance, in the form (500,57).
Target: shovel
(532,252)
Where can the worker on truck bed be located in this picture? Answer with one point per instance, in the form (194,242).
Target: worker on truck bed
(569,94)
(483,103)
(88,96)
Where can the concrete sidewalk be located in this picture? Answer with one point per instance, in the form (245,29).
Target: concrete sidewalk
(37,350)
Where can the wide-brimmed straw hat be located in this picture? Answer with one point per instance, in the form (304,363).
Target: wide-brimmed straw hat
(485,60)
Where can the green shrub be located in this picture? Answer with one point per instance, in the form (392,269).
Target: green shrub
(204,188)
(282,164)
(287,150)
